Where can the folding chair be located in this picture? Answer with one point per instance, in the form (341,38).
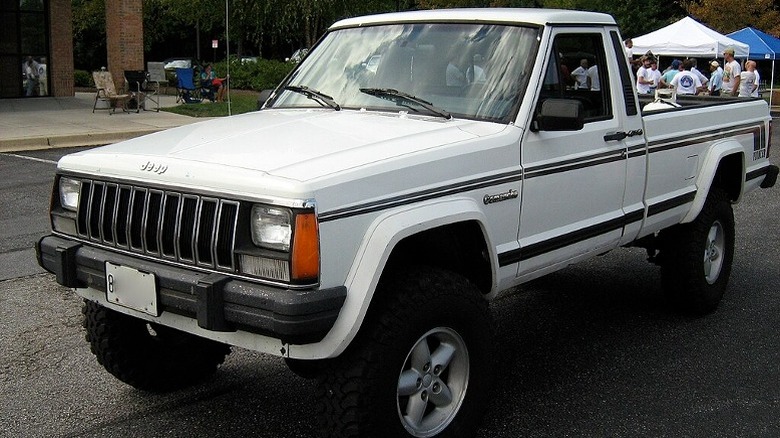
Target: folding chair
(135,85)
(107,92)
(155,79)
(138,84)
(186,91)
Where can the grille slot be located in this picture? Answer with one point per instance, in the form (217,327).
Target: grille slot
(168,225)
(121,217)
(181,227)
(107,213)
(152,221)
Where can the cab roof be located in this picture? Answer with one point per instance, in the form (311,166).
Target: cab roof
(503,15)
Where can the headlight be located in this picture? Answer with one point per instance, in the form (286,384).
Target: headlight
(298,259)
(271,227)
(69,193)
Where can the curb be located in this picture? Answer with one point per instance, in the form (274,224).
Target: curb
(62,141)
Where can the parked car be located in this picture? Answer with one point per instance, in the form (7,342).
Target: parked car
(297,56)
(171,64)
(174,63)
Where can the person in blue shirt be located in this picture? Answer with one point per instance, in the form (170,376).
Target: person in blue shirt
(716,79)
(666,78)
(210,81)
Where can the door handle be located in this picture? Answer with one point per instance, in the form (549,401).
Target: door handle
(618,136)
(615,136)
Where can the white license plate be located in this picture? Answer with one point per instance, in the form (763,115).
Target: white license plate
(131,288)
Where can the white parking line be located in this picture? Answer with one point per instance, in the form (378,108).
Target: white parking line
(29,158)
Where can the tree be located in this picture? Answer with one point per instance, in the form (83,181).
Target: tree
(89,34)
(276,28)
(634,17)
(726,17)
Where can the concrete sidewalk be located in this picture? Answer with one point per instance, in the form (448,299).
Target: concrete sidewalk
(53,122)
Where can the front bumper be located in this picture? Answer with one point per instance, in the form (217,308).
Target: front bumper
(218,302)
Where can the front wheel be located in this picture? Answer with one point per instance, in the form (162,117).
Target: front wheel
(697,261)
(149,356)
(419,367)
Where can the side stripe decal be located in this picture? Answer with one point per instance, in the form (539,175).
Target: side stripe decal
(424,195)
(520,254)
(758,131)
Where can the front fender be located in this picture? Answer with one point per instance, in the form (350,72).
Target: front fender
(375,249)
(709,169)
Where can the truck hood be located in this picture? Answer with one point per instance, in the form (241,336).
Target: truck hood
(298,145)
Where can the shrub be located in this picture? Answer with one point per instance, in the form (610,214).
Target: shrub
(260,75)
(83,78)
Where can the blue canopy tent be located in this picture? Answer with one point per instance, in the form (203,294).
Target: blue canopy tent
(762,46)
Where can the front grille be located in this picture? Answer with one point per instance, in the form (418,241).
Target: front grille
(181,227)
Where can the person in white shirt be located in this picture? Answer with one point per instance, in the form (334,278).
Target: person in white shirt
(655,74)
(580,74)
(747,80)
(644,77)
(593,78)
(685,81)
(731,71)
(758,79)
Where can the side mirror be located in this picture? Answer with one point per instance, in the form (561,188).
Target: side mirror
(560,115)
(263,97)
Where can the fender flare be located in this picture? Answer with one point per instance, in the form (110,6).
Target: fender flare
(379,241)
(715,155)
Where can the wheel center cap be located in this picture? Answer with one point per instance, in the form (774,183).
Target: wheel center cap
(427,380)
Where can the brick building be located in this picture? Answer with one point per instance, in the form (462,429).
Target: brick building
(36,45)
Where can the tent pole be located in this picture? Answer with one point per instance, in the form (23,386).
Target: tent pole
(772,85)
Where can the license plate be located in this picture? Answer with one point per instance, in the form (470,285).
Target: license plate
(131,288)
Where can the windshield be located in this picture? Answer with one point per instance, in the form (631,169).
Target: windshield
(476,71)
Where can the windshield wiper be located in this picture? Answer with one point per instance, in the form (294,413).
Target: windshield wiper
(399,96)
(320,97)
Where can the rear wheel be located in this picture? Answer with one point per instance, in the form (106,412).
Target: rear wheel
(149,356)
(419,367)
(697,257)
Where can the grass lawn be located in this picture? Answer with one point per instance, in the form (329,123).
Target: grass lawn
(241,101)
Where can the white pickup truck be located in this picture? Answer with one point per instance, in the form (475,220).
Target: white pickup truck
(412,166)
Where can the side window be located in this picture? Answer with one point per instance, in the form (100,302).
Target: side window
(577,70)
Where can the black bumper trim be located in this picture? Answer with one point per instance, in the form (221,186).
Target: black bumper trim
(218,302)
(768,173)
(771,177)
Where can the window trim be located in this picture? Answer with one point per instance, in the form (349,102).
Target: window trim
(600,54)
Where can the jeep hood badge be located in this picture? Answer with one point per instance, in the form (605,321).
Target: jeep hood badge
(154,167)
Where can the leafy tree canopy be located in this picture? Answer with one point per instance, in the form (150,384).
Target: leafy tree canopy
(276,28)
(727,17)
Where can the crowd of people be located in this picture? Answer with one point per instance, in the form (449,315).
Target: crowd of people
(731,79)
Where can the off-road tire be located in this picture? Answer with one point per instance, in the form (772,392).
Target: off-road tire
(148,356)
(358,393)
(697,257)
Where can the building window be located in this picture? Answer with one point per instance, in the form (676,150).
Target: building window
(24,51)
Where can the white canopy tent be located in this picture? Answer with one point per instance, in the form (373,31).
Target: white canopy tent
(688,38)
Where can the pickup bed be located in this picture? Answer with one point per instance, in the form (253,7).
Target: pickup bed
(412,167)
